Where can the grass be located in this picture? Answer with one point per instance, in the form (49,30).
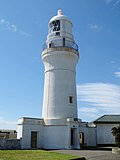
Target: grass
(33,155)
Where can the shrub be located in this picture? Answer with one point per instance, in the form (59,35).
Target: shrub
(116,133)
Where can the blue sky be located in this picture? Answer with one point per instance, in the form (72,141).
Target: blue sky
(23,31)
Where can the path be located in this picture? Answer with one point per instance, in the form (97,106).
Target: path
(92,154)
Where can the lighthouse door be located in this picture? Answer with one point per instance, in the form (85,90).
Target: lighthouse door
(73,140)
(33,139)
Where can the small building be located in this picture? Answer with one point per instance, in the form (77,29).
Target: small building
(8,134)
(104,125)
(8,140)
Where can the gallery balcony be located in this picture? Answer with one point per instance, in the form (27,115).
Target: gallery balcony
(60,43)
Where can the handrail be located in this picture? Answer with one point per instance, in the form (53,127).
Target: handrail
(60,43)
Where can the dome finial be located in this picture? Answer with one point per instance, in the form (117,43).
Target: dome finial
(60,12)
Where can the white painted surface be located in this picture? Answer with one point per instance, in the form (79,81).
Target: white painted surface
(65,28)
(104,135)
(55,137)
(26,126)
(59,84)
(89,135)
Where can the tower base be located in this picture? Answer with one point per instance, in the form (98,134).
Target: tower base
(48,134)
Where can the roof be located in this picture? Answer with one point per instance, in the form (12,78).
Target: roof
(5,130)
(59,16)
(108,119)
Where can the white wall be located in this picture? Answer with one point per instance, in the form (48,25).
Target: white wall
(24,129)
(55,137)
(26,137)
(91,140)
(104,135)
(19,131)
(89,135)
(59,84)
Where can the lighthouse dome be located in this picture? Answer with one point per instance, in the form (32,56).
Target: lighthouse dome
(59,16)
(59,27)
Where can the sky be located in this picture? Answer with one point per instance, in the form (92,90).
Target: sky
(23,31)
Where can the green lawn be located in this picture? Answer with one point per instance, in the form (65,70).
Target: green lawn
(33,155)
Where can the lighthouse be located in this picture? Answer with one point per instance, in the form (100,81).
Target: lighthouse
(59,126)
(60,56)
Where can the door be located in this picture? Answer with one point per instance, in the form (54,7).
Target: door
(72,137)
(81,136)
(33,139)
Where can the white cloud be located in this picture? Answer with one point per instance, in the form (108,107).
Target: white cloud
(23,33)
(108,1)
(12,27)
(2,21)
(115,3)
(113,62)
(117,74)
(90,113)
(94,27)
(100,98)
(6,124)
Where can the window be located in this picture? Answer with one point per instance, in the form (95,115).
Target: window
(55,27)
(57,33)
(70,99)
(63,42)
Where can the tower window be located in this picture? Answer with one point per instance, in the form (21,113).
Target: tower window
(57,33)
(55,26)
(70,99)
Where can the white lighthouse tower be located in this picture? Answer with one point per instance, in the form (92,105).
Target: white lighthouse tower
(60,56)
(59,126)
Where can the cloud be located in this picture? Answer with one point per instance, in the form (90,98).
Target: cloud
(100,98)
(108,2)
(2,21)
(12,27)
(7,124)
(23,33)
(117,74)
(94,27)
(114,3)
(113,62)
(88,113)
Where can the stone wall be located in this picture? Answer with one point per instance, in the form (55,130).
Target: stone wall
(10,144)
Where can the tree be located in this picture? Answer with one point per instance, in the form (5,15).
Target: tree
(116,133)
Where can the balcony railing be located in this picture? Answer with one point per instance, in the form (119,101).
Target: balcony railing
(60,43)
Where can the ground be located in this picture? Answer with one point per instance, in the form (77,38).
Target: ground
(94,154)
(33,155)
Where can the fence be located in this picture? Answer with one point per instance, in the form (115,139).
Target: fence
(60,43)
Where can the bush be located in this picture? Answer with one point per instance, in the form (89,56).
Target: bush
(116,133)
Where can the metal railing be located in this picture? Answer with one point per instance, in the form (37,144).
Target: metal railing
(60,43)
